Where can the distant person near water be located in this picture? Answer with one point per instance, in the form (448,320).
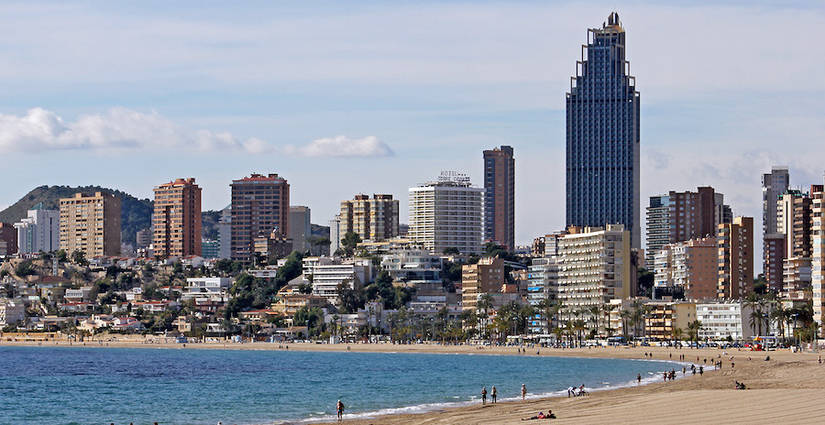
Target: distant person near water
(493,394)
(340,408)
(523,392)
(483,395)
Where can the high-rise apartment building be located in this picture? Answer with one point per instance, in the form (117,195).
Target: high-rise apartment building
(335,234)
(486,276)
(603,135)
(499,196)
(260,206)
(818,252)
(773,249)
(680,216)
(792,238)
(793,219)
(225,233)
(594,268)
(447,214)
(374,219)
(8,237)
(690,266)
(774,184)
(39,231)
(90,224)
(735,258)
(300,227)
(543,276)
(176,221)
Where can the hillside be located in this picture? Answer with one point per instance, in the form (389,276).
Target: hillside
(136,214)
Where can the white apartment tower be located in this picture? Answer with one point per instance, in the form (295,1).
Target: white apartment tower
(39,231)
(447,214)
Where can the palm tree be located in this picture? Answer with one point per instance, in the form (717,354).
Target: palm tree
(595,311)
(781,315)
(693,331)
(676,333)
(625,315)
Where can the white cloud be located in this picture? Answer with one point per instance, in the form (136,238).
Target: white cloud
(121,129)
(343,146)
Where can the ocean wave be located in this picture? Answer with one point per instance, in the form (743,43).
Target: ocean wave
(430,407)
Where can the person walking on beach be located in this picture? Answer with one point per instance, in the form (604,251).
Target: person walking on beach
(639,378)
(523,392)
(493,394)
(340,408)
(483,396)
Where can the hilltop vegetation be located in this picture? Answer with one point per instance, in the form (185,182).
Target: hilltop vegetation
(136,214)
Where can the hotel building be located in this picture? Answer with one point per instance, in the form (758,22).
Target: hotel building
(447,214)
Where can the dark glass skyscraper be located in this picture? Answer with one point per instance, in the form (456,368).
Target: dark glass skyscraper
(603,135)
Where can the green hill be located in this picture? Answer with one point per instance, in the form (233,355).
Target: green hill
(136,214)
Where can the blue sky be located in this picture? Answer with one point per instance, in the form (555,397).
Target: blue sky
(346,97)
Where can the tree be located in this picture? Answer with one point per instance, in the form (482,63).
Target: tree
(349,242)
(693,331)
(61,255)
(451,251)
(79,258)
(312,318)
(349,298)
(645,282)
(25,268)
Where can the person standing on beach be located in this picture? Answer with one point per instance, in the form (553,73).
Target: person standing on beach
(523,392)
(493,394)
(639,378)
(340,408)
(483,396)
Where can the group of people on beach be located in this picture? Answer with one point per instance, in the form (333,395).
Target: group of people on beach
(574,391)
(541,415)
(493,395)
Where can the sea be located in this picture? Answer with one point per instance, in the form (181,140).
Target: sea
(81,385)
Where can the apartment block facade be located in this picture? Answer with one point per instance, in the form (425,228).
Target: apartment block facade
(691,266)
(300,227)
(735,258)
(499,196)
(484,277)
(373,219)
(595,267)
(90,224)
(260,206)
(176,222)
(681,216)
(818,253)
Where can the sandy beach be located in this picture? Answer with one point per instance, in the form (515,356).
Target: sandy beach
(789,388)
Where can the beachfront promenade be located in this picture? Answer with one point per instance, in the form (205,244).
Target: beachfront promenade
(788,388)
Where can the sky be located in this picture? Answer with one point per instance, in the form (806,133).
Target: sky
(375,97)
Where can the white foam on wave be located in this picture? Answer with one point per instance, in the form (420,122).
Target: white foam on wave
(429,407)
